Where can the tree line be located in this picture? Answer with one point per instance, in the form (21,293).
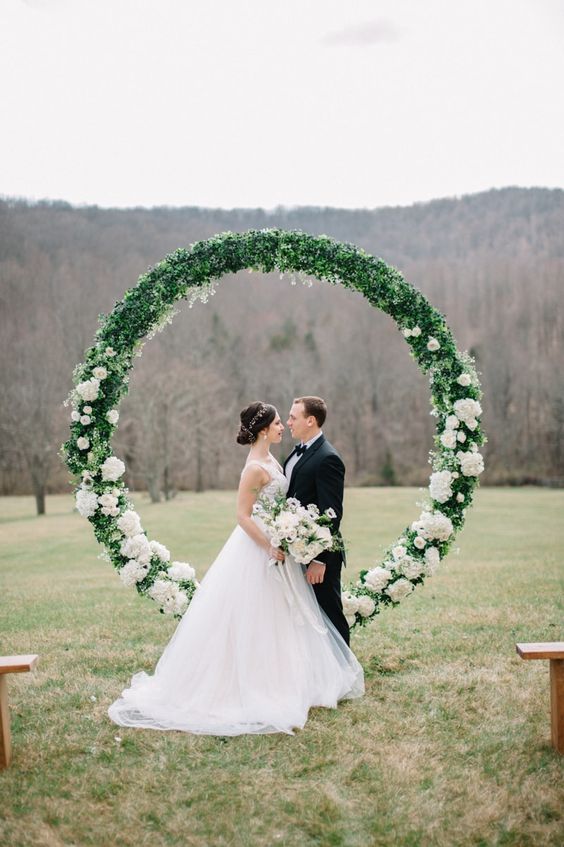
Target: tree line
(492,263)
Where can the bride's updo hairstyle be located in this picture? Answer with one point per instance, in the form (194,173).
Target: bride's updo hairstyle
(255,417)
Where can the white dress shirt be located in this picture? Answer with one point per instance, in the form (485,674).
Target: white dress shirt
(295,458)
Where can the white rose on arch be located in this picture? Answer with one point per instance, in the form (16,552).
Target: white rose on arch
(448,439)
(467,410)
(86,502)
(112,469)
(181,572)
(471,463)
(377,578)
(130,523)
(440,486)
(434,525)
(399,589)
(89,389)
(366,606)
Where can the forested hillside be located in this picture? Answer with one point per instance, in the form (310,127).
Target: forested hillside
(493,263)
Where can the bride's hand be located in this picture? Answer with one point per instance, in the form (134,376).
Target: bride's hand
(276,553)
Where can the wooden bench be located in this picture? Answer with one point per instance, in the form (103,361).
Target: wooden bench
(9,664)
(554,652)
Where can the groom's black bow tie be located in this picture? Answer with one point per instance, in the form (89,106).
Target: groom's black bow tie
(301,448)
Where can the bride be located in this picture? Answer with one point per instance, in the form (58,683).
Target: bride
(254,651)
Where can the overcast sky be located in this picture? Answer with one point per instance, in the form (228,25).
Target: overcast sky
(361,103)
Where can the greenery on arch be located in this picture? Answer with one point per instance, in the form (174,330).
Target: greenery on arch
(102,379)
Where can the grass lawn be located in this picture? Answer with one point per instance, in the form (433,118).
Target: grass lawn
(450,746)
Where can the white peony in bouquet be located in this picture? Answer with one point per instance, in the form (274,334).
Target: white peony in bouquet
(299,530)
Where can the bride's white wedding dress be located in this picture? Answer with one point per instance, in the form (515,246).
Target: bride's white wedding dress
(252,653)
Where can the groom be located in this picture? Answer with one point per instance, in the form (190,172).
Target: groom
(316,474)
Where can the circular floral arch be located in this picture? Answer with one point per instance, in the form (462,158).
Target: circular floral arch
(102,380)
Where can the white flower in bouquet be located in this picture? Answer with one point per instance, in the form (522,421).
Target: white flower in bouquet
(286,526)
(300,550)
(133,572)
(467,410)
(406,332)
(112,416)
(160,551)
(419,542)
(82,443)
(75,416)
(89,389)
(87,410)
(452,422)
(377,578)
(410,567)
(137,547)
(169,596)
(399,589)
(460,497)
(473,447)
(472,424)
(109,351)
(416,331)
(398,552)
(461,436)
(464,380)
(471,463)
(324,535)
(99,373)
(112,469)
(433,345)
(435,525)
(331,513)
(85,420)
(439,486)
(313,510)
(351,603)
(351,620)
(181,572)
(86,502)
(448,439)
(432,559)
(130,523)
(366,606)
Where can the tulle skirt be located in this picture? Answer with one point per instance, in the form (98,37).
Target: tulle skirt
(252,654)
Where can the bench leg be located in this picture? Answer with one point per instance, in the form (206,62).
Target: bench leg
(5,737)
(557,703)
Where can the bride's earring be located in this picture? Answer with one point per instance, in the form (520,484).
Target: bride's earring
(264,435)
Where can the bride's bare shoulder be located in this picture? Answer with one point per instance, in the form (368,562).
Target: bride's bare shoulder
(254,472)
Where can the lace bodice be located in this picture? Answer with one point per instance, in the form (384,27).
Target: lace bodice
(278,482)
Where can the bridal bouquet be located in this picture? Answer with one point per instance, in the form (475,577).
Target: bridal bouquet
(299,530)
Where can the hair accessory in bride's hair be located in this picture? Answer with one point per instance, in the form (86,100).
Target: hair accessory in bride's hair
(262,409)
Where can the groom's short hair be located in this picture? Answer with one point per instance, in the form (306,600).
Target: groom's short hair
(315,406)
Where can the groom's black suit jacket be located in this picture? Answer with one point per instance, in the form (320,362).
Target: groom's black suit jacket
(319,477)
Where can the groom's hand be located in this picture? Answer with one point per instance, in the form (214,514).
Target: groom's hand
(315,572)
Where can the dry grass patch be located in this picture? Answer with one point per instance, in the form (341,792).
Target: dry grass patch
(450,746)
